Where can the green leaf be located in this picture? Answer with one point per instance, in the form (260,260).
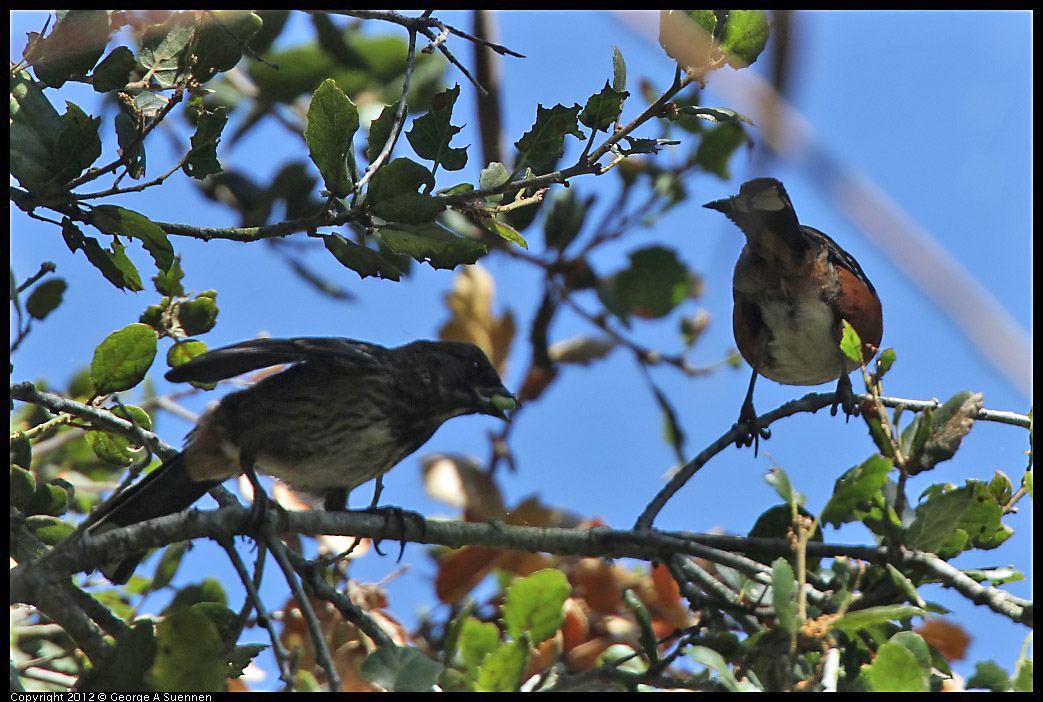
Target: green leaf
(393,193)
(619,71)
(203,159)
(884,361)
(936,519)
(409,208)
(778,479)
(744,37)
(476,641)
(115,449)
(114,70)
(652,286)
(78,144)
(190,654)
(132,147)
(111,448)
(644,146)
(544,143)
(399,177)
(34,128)
(995,576)
(198,316)
(22,482)
(565,219)
(117,221)
(503,668)
(1023,680)
(431,133)
(431,244)
(717,146)
(602,109)
(534,605)
(857,486)
(989,675)
(646,634)
(241,657)
(49,530)
(113,264)
(209,590)
(673,432)
(168,564)
(1001,488)
(687,37)
(914,439)
(45,297)
(493,176)
(895,669)
(220,40)
(333,120)
(850,343)
(715,661)
(784,597)
(949,424)
(74,45)
(291,72)
(163,49)
(125,668)
(121,361)
(853,622)
(169,282)
(148,104)
(400,669)
(380,132)
(504,231)
(916,645)
(51,498)
(361,259)
(982,519)
(714,114)
(184,351)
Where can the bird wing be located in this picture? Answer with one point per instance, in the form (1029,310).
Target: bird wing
(246,356)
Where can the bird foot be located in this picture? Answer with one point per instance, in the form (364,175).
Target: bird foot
(400,516)
(750,431)
(845,399)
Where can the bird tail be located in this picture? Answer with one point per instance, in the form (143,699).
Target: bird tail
(166,490)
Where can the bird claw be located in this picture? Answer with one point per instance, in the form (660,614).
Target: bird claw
(400,515)
(845,399)
(750,432)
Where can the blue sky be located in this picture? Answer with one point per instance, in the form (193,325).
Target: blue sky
(933,108)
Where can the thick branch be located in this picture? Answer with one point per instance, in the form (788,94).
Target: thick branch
(599,542)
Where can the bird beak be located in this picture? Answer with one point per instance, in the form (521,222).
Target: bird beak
(726,205)
(497,402)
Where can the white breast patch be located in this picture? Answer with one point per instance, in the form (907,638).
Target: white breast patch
(803,347)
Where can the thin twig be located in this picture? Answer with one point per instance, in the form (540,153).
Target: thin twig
(322,651)
(397,124)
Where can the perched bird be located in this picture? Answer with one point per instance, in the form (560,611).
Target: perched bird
(792,287)
(346,412)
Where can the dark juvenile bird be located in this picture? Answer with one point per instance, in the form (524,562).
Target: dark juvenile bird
(346,412)
(792,287)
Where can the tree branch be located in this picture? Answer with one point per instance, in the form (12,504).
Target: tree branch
(598,542)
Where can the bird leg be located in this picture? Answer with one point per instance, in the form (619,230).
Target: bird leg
(260,501)
(389,512)
(751,433)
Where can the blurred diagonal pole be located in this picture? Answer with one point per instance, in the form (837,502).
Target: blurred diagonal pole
(910,247)
(487,73)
